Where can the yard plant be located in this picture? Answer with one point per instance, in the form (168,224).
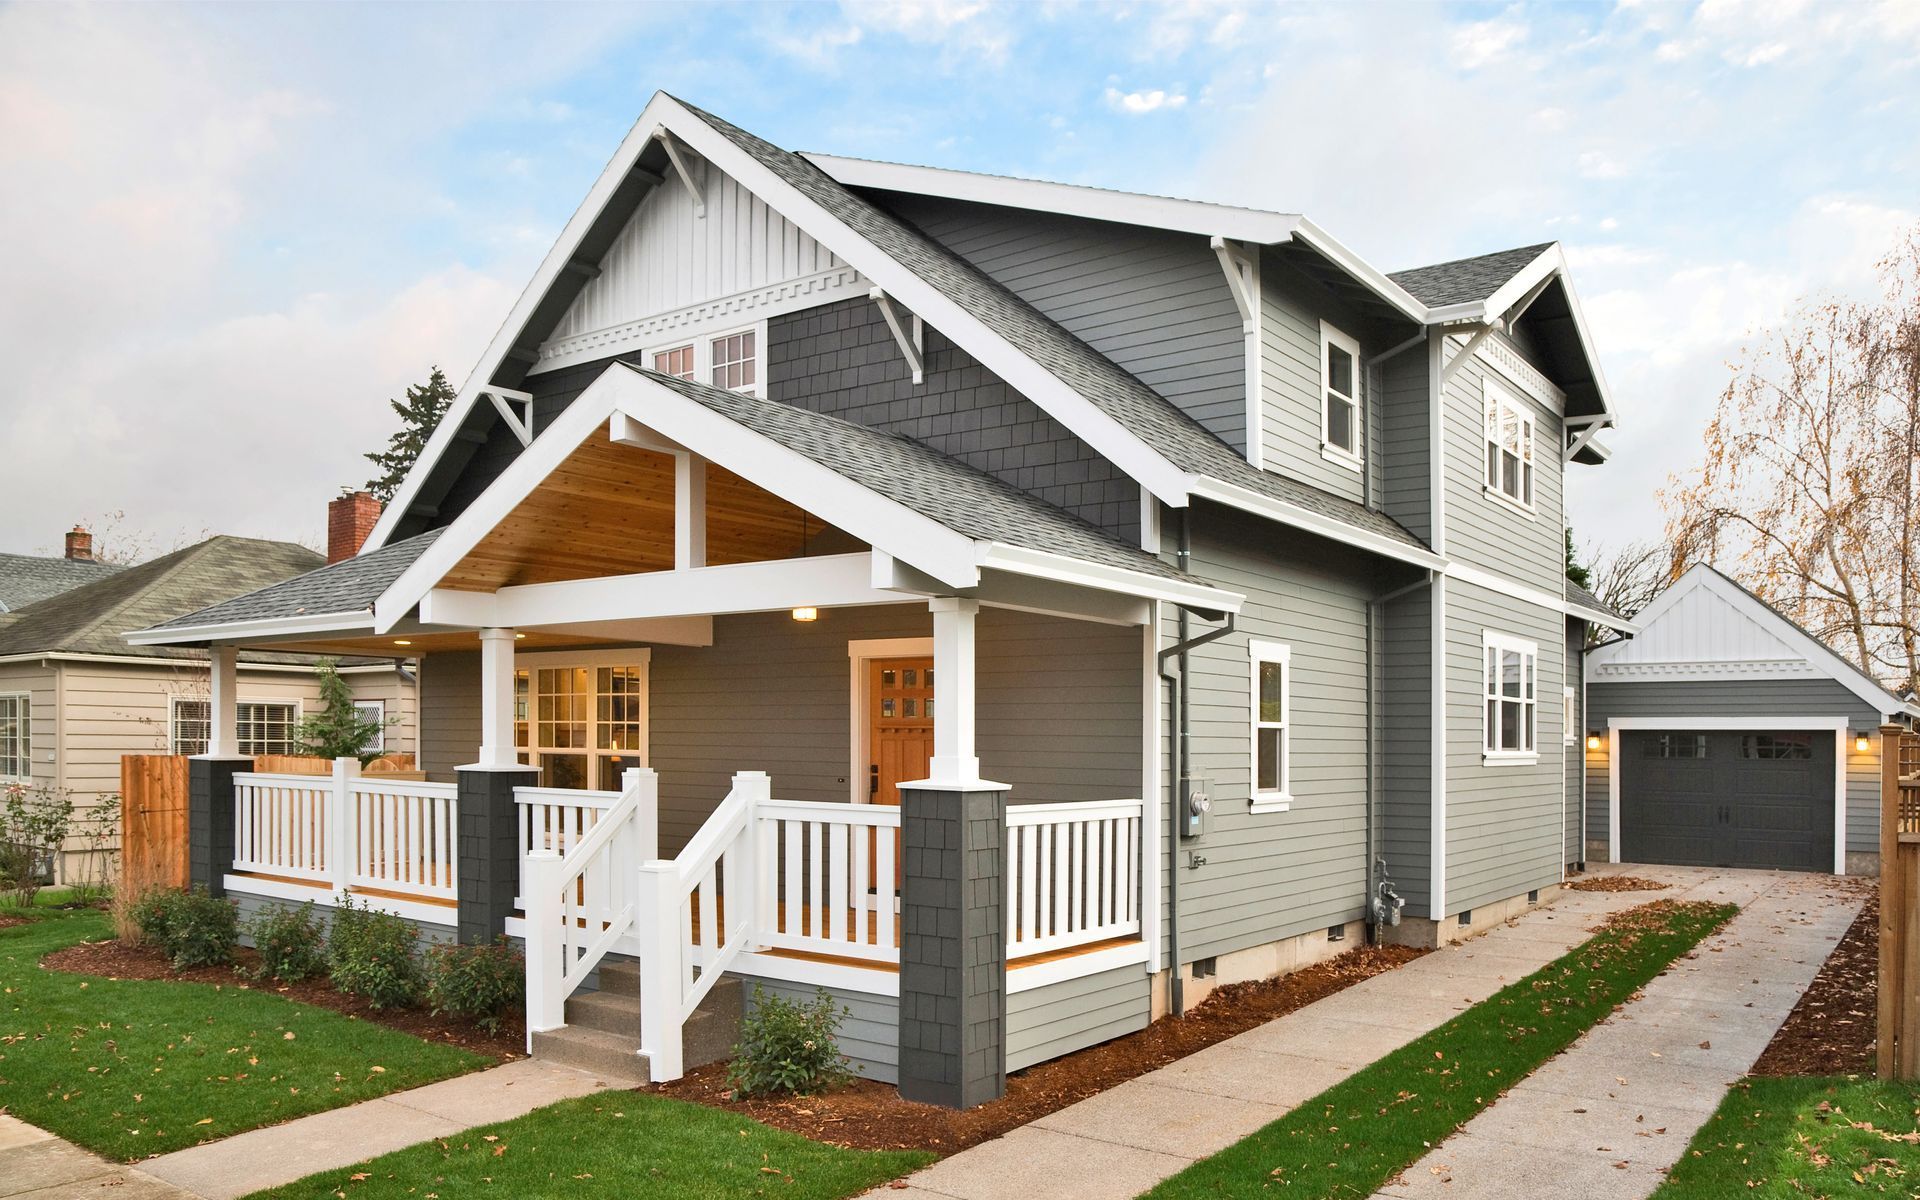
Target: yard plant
(787,1046)
(484,984)
(1785,1139)
(192,928)
(372,954)
(292,943)
(1355,1136)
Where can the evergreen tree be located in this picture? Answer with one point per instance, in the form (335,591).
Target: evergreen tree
(337,730)
(419,413)
(1575,571)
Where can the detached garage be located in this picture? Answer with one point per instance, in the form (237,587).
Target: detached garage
(1724,734)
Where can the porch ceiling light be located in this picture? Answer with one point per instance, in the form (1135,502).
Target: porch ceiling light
(806,613)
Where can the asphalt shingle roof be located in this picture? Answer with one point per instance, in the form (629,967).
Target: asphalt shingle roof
(921,478)
(1466,279)
(1152,418)
(90,619)
(350,585)
(28,579)
(1586,599)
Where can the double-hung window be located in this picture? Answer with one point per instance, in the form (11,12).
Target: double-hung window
(1509,437)
(1511,668)
(16,735)
(1340,414)
(1272,683)
(260,726)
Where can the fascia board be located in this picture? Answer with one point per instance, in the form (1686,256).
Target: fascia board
(1018,560)
(1235,496)
(178,635)
(1320,240)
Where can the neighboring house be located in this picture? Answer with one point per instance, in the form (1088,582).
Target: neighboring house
(1121,595)
(26,578)
(74,697)
(1725,734)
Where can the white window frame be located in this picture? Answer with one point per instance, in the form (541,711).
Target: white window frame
(378,743)
(1490,693)
(1353,459)
(592,661)
(1572,716)
(23,712)
(1498,398)
(1259,653)
(702,343)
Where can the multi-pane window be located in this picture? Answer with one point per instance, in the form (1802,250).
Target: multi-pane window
(583,724)
(1677,745)
(732,361)
(677,362)
(1340,403)
(16,735)
(1511,667)
(1509,437)
(1776,745)
(1271,681)
(260,726)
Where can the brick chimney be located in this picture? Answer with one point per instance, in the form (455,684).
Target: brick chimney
(79,544)
(350,518)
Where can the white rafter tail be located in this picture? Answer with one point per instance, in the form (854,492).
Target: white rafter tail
(910,340)
(1480,334)
(520,423)
(678,155)
(1235,262)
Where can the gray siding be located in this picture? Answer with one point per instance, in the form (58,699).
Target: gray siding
(449,712)
(1487,532)
(1291,309)
(868,1028)
(842,360)
(1505,820)
(1406,649)
(1046,1022)
(1406,443)
(1154,301)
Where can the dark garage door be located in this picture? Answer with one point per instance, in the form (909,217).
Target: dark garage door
(1748,799)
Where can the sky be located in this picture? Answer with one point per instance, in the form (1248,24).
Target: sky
(229,233)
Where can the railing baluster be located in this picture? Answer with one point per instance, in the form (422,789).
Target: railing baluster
(886,842)
(836,884)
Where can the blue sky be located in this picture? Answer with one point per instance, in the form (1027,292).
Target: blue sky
(230,232)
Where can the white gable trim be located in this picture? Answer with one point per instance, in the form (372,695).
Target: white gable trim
(1551,262)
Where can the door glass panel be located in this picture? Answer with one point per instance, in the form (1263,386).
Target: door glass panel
(886,706)
(1776,745)
(887,677)
(910,707)
(909,678)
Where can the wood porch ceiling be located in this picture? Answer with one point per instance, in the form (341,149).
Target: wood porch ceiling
(608,510)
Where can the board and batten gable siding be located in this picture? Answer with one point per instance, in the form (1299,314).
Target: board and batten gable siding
(1154,301)
(1770,703)
(842,360)
(1406,442)
(1505,828)
(39,681)
(1274,875)
(1406,739)
(1483,529)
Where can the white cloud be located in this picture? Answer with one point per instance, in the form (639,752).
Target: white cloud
(819,47)
(1137,103)
(1598,164)
(1483,42)
(1758,56)
(966,28)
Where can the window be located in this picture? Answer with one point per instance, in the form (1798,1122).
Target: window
(1340,414)
(732,359)
(1509,446)
(1272,679)
(1511,697)
(1571,732)
(262,726)
(582,720)
(1677,745)
(16,736)
(375,711)
(1776,745)
(677,362)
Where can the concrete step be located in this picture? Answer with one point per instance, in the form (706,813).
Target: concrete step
(603,1028)
(620,978)
(611,1056)
(609,1012)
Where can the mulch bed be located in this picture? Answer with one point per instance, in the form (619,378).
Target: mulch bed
(871,1116)
(121,960)
(8,920)
(1615,883)
(1831,1030)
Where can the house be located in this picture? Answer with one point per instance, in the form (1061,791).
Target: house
(27,578)
(1725,734)
(75,697)
(1015,607)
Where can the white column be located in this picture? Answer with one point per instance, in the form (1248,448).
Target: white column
(496,699)
(689,511)
(223,702)
(954,756)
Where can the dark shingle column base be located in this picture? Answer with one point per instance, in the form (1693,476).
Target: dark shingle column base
(210,820)
(953,955)
(489,850)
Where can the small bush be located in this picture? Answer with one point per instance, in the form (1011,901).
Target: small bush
(480,983)
(786,1046)
(192,928)
(152,913)
(371,954)
(291,941)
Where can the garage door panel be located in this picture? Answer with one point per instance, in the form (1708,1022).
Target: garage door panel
(1727,799)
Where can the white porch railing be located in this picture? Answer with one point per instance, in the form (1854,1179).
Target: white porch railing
(281,826)
(405,836)
(831,879)
(557,819)
(348,831)
(1073,875)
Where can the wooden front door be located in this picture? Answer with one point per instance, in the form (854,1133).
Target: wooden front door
(900,725)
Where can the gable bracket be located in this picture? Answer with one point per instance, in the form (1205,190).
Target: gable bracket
(912,346)
(1461,359)
(1579,443)
(1238,265)
(504,400)
(678,155)
(1525,302)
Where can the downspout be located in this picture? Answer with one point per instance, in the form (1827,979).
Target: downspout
(1179,759)
(1375,861)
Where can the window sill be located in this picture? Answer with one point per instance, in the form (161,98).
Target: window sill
(1339,457)
(1508,758)
(1271,802)
(1501,498)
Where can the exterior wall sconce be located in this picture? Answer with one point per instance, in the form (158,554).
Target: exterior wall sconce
(1861,743)
(1593,740)
(808,613)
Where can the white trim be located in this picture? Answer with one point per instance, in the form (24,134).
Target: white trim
(1234,496)
(1762,723)
(1569,717)
(1259,654)
(1514,590)
(263,627)
(1058,567)
(24,714)
(860,653)
(1149,522)
(1437,660)
(322,895)
(1529,652)
(1496,400)
(1840,800)
(1333,338)
(1074,966)
(1151,784)
(871,981)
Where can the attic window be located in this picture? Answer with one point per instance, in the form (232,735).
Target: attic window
(677,362)
(734,361)
(1340,403)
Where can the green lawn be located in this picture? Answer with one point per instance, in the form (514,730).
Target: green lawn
(615,1144)
(130,1068)
(1804,1137)
(1360,1133)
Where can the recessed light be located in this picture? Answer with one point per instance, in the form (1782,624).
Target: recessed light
(807,613)
(402,642)
(519,637)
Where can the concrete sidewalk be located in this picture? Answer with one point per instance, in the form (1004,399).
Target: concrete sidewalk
(1609,1117)
(34,1163)
(1125,1140)
(281,1154)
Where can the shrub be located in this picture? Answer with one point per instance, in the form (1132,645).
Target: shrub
(371,955)
(787,1046)
(291,941)
(34,823)
(192,928)
(480,983)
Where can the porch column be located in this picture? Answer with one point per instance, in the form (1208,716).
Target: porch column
(223,704)
(953,969)
(488,872)
(210,778)
(496,699)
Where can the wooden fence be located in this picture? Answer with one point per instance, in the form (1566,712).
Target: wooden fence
(153,821)
(1898,1015)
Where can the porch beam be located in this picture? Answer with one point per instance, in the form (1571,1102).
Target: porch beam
(223,701)
(497,751)
(1019,593)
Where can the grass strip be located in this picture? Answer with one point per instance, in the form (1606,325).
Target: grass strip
(1352,1138)
(129,1068)
(1800,1137)
(624,1144)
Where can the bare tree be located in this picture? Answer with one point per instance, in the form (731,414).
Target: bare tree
(1628,576)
